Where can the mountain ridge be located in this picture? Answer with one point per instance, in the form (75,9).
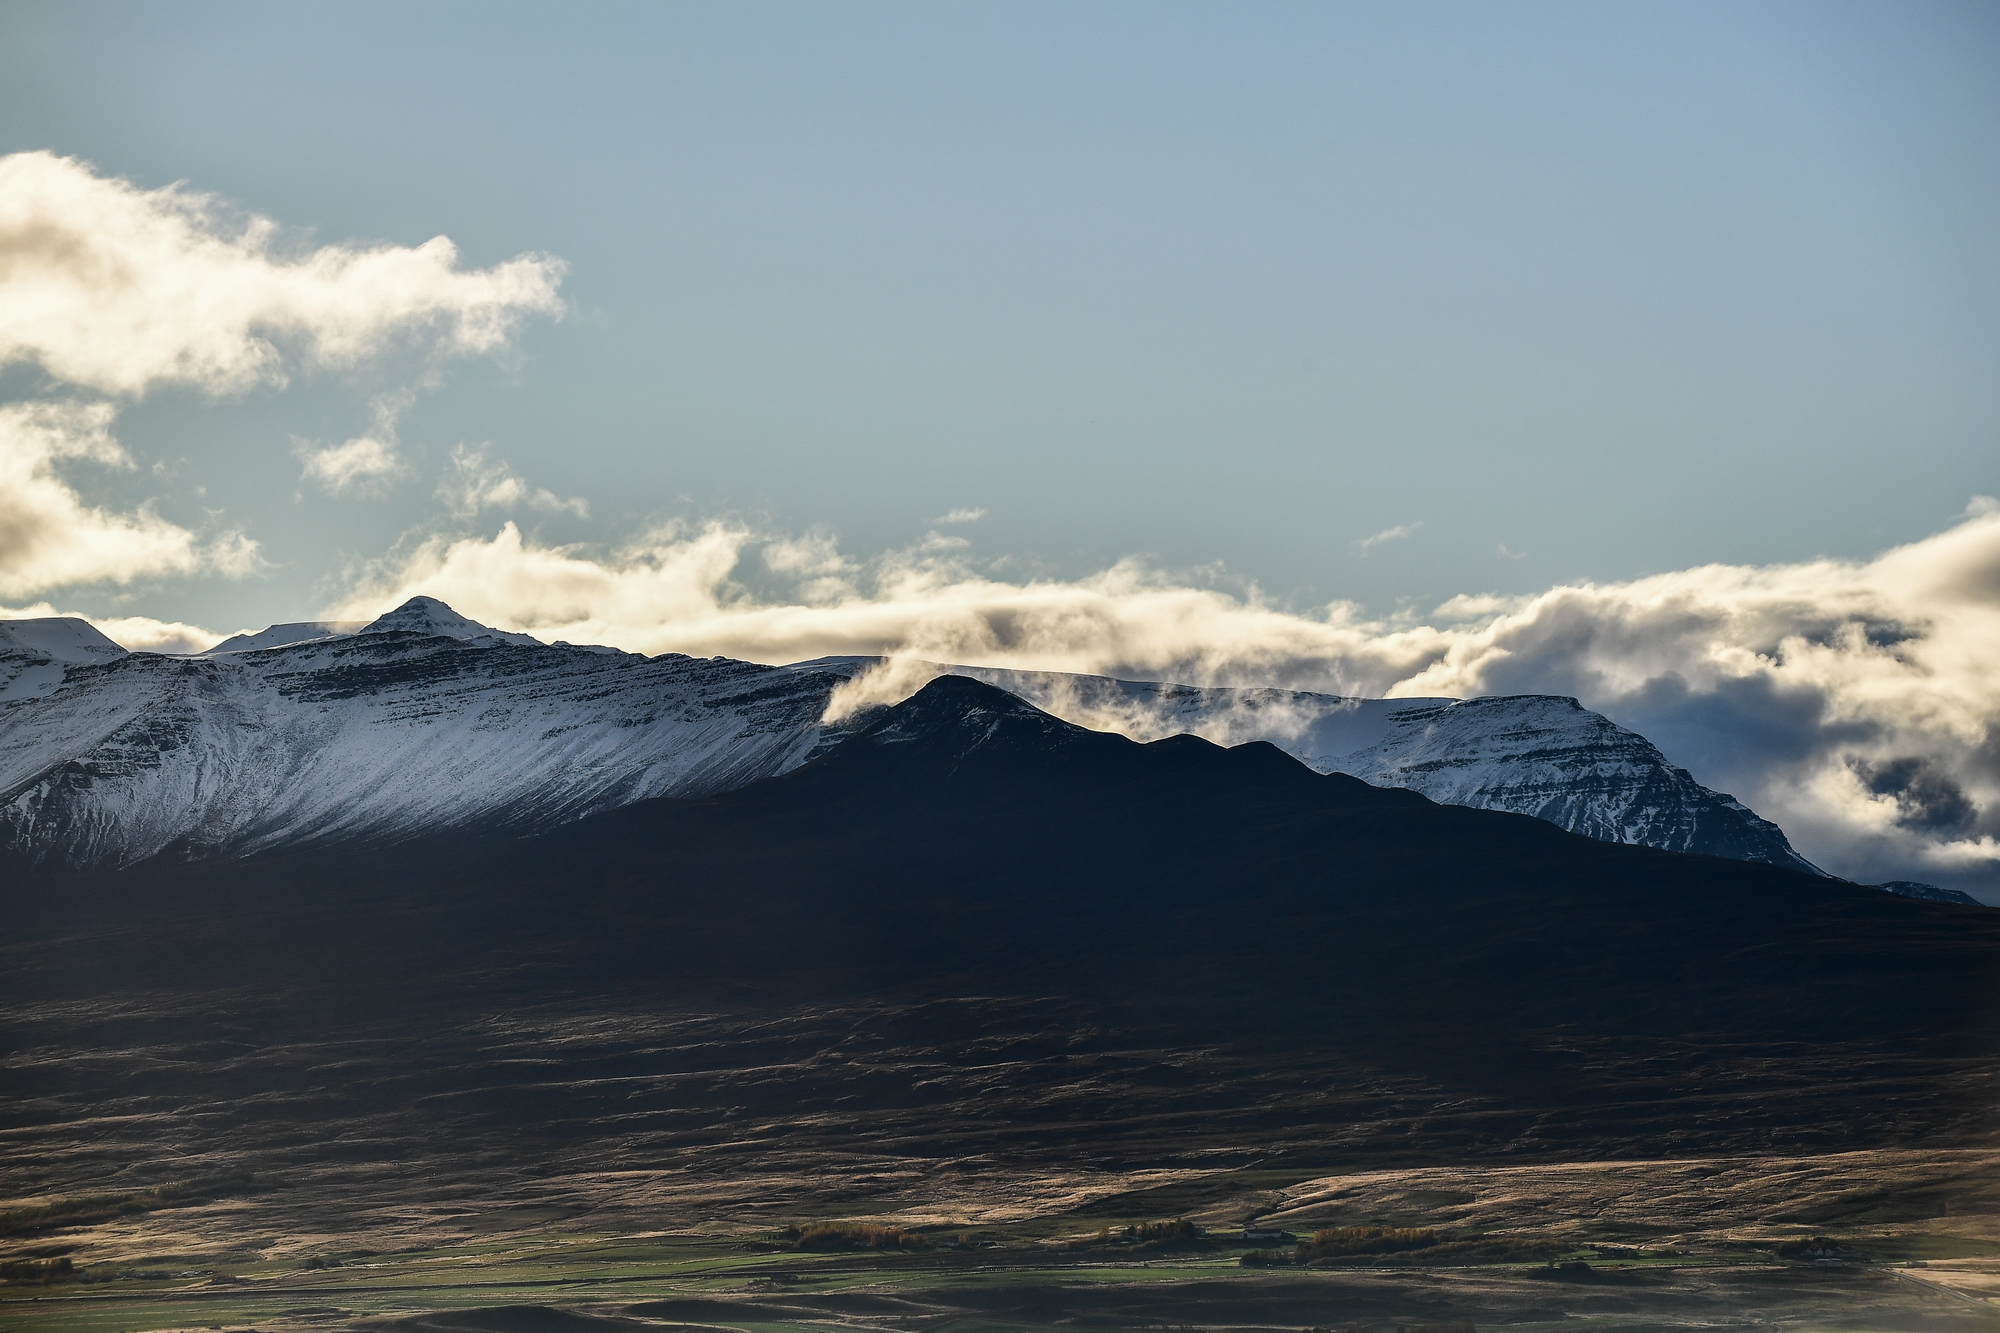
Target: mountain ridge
(423,720)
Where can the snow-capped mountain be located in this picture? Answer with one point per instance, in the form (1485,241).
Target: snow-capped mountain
(420,721)
(424,720)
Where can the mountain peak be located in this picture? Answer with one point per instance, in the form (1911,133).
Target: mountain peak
(427,615)
(66,639)
(954,716)
(971,708)
(1910,888)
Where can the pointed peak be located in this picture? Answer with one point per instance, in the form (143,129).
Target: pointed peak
(958,714)
(427,615)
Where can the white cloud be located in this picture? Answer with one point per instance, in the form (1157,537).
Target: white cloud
(1502,553)
(476,482)
(364,464)
(961,516)
(359,465)
(117,289)
(1395,534)
(114,290)
(1852,701)
(50,538)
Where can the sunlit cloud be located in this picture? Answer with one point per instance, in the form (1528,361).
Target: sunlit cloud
(117,289)
(50,538)
(111,290)
(960,516)
(358,465)
(364,464)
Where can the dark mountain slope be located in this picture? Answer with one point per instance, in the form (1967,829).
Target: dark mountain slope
(974,929)
(971,836)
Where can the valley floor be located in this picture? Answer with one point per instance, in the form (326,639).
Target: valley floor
(1665,1245)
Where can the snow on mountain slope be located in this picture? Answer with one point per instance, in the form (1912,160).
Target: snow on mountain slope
(1550,757)
(427,615)
(35,653)
(1538,755)
(280,636)
(423,720)
(385,733)
(57,639)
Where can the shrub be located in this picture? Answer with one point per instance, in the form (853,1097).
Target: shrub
(42,1271)
(1819,1247)
(1165,1232)
(853,1236)
(1339,1242)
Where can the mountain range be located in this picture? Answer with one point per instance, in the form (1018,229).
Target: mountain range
(973,928)
(424,721)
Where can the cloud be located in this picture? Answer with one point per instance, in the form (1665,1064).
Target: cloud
(1395,534)
(1502,553)
(365,464)
(1852,701)
(476,482)
(961,516)
(112,290)
(360,464)
(50,538)
(117,289)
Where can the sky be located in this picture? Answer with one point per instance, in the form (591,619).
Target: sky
(1644,353)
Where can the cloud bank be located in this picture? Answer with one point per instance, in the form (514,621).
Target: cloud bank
(1854,702)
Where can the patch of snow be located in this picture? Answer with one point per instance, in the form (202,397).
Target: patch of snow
(282,636)
(427,615)
(57,639)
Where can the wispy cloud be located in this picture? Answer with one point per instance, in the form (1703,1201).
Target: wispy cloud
(1503,553)
(363,465)
(359,465)
(1395,534)
(960,516)
(476,482)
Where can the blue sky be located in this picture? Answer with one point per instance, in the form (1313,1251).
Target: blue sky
(1623,289)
